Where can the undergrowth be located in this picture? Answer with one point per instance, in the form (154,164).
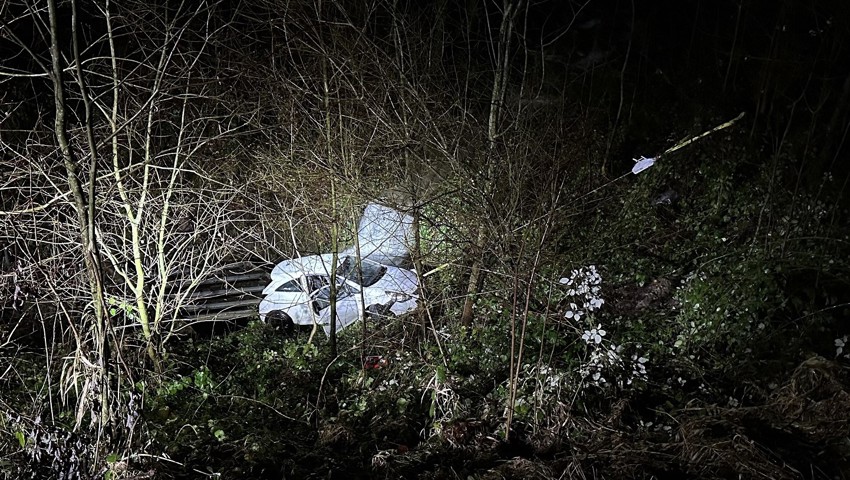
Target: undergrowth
(680,325)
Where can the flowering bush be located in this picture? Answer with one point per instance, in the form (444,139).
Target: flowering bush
(840,343)
(594,335)
(606,363)
(584,292)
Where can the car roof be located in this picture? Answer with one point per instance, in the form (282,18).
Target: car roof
(308,265)
(398,279)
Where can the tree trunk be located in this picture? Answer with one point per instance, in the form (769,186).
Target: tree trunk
(82,204)
(497,98)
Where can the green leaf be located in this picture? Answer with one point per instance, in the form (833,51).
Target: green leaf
(112,458)
(21,438)
(401,404)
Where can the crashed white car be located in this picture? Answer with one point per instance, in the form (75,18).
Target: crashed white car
(300,291)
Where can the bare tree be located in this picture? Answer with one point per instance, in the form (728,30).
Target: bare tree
(119,243)
(510,11)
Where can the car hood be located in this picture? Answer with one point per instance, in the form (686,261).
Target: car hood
(398,280)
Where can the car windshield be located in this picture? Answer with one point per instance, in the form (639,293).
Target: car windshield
(369,274)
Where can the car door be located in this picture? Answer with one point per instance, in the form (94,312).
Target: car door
(348,308)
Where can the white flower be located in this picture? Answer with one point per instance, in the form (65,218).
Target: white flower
(598,378)
(840,343)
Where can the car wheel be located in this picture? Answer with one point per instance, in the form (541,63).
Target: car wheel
(281,321)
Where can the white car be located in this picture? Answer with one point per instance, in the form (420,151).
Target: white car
(299,292)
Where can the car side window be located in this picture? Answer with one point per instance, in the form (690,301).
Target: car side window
(315,282)
(322,297)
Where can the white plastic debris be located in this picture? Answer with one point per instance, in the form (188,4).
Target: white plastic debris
(642,164)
